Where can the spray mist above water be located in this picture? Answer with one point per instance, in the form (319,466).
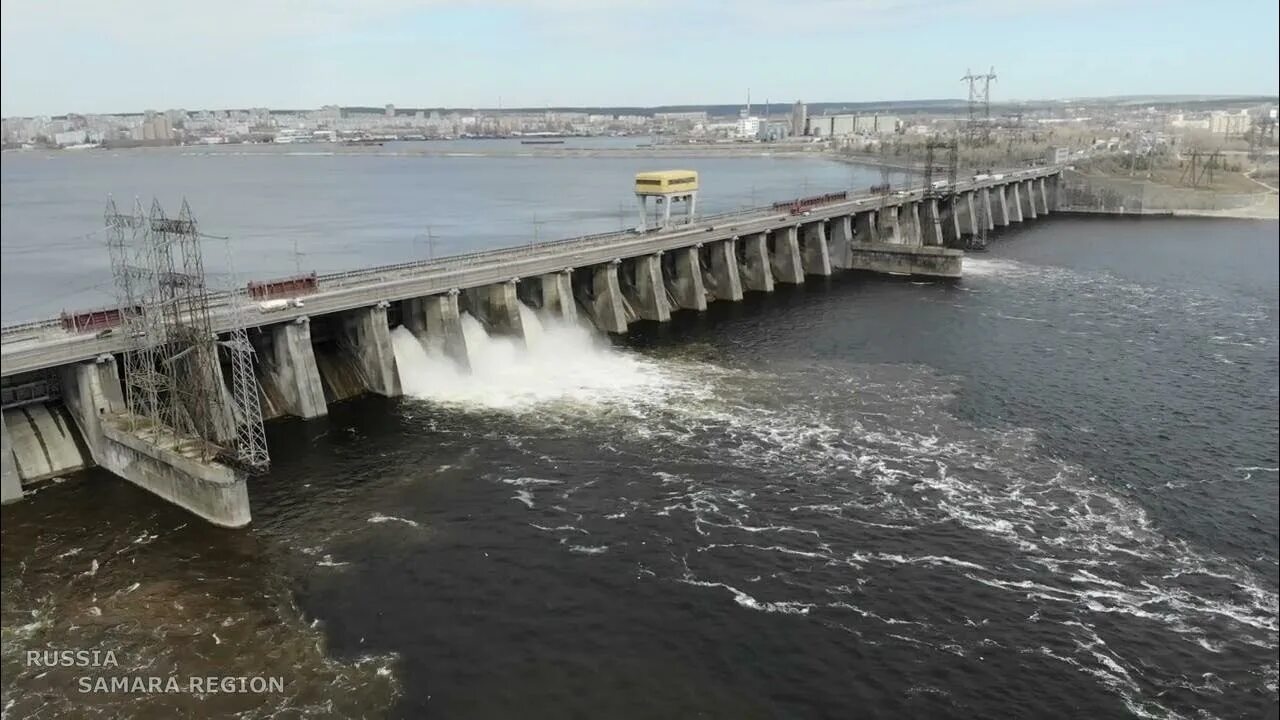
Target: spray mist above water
(557,362)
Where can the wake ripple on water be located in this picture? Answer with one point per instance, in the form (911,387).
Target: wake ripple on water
(836,499)
(849,506)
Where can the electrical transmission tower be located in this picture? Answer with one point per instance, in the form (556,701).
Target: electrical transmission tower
(1201,163)
(174,392)
(979,128)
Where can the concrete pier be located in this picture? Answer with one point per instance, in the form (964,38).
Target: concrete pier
(721,279)
(150,458)
(684,279)
(1014,203)
(501,308)
(172,470)
(951,221)
(557,295)
(1029,201)
(1001,215)
(913,232)
(899,259)
(971,215)
(10,483)
(931,224)
(785,260)
(813,249)
(292,366)
(201,367)
(838,242)
(891,230)
(442,325)
(606,301)
(1044,196)
(867,228)
(367,336)
(646,291)
(756,274)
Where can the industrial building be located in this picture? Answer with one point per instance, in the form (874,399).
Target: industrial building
(849,124)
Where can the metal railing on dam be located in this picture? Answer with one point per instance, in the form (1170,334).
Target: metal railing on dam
(45,344)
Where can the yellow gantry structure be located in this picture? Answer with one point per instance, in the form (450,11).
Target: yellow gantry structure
(666,182)
(666,187)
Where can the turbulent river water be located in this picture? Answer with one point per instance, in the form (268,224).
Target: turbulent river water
(1046,490)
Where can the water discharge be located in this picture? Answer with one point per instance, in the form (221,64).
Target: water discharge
(555,362)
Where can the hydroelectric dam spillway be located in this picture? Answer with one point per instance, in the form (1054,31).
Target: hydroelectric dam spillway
(65,404)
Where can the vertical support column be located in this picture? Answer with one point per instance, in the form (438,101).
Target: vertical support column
(1044,197)
(1015,202)
(651,294)
(10,483)
(892,230)
(840,242)
(216,420)
(756,274)
(294,369)
(1030,201)
(909,222)
(971,213)
(369,339)
(867,227)
(785,261)
(951,231)
(444,325)
(91,391)
(503,309)
(815,255)
(607,298)
(1001,215)
(686,286)
(557,295)
(931,225)
(725,283)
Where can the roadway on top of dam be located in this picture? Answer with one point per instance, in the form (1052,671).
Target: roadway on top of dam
(44,344)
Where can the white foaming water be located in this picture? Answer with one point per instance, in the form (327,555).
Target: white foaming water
(556,362)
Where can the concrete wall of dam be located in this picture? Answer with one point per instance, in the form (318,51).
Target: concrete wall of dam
(344,348)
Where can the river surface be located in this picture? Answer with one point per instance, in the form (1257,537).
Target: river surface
(1047,490)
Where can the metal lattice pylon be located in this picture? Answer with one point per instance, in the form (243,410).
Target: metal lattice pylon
(173,378)
(251,438)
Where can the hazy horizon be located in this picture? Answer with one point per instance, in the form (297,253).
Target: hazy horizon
(126,57)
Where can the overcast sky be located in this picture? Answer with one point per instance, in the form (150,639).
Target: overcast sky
(128,55)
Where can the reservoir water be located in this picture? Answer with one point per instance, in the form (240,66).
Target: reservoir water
(1046,490)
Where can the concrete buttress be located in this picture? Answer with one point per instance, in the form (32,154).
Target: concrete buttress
(722,278)
(785,261)
(754,264)
(814,251)
(368,338)
(293,368)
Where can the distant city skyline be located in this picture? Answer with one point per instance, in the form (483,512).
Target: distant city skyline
(94,57)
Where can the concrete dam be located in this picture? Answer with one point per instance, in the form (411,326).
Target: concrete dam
(332,337)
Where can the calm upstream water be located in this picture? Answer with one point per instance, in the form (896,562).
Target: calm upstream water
(1047,490)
